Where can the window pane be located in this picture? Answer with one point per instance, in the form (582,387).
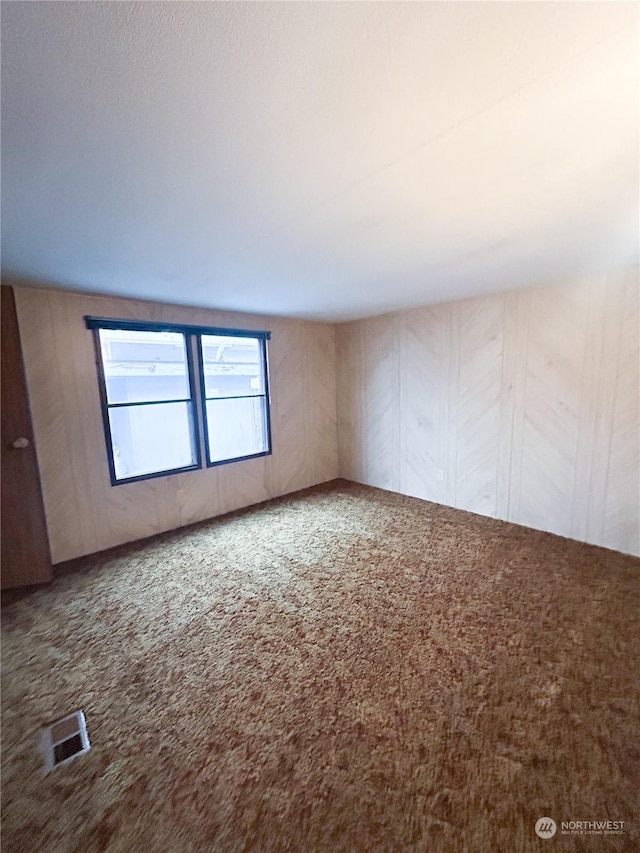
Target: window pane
(148,439)
(232,366)
(141,366)
(236,428)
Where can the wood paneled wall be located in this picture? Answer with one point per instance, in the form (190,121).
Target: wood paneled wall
(84,512)
(523,406)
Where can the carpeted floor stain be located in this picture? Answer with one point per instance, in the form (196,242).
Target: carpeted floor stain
(344,669)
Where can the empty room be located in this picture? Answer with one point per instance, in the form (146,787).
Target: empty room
(320,427)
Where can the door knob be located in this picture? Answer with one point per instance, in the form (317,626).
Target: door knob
(20,443)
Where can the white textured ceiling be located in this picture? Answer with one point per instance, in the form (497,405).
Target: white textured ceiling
(326,160)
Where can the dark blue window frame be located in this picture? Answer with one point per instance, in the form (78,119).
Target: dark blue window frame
(203,396)
(195,370)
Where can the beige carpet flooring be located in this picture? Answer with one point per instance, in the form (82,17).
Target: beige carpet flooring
(343,669)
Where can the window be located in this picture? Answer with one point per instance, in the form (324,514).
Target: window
(147,394)
(234,384)
(155,421)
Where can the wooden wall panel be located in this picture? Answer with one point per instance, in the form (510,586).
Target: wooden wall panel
(379,353)
(522,406)
(478,341)
(422,346)
(84,512)
(289,418)
(320,406)
(349,402)
(622,493)
(556,346)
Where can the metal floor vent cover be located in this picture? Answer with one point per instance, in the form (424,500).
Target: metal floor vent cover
(65,740)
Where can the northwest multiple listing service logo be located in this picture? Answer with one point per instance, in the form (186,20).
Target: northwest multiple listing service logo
(546,827)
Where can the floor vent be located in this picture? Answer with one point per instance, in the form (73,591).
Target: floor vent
(65,740)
